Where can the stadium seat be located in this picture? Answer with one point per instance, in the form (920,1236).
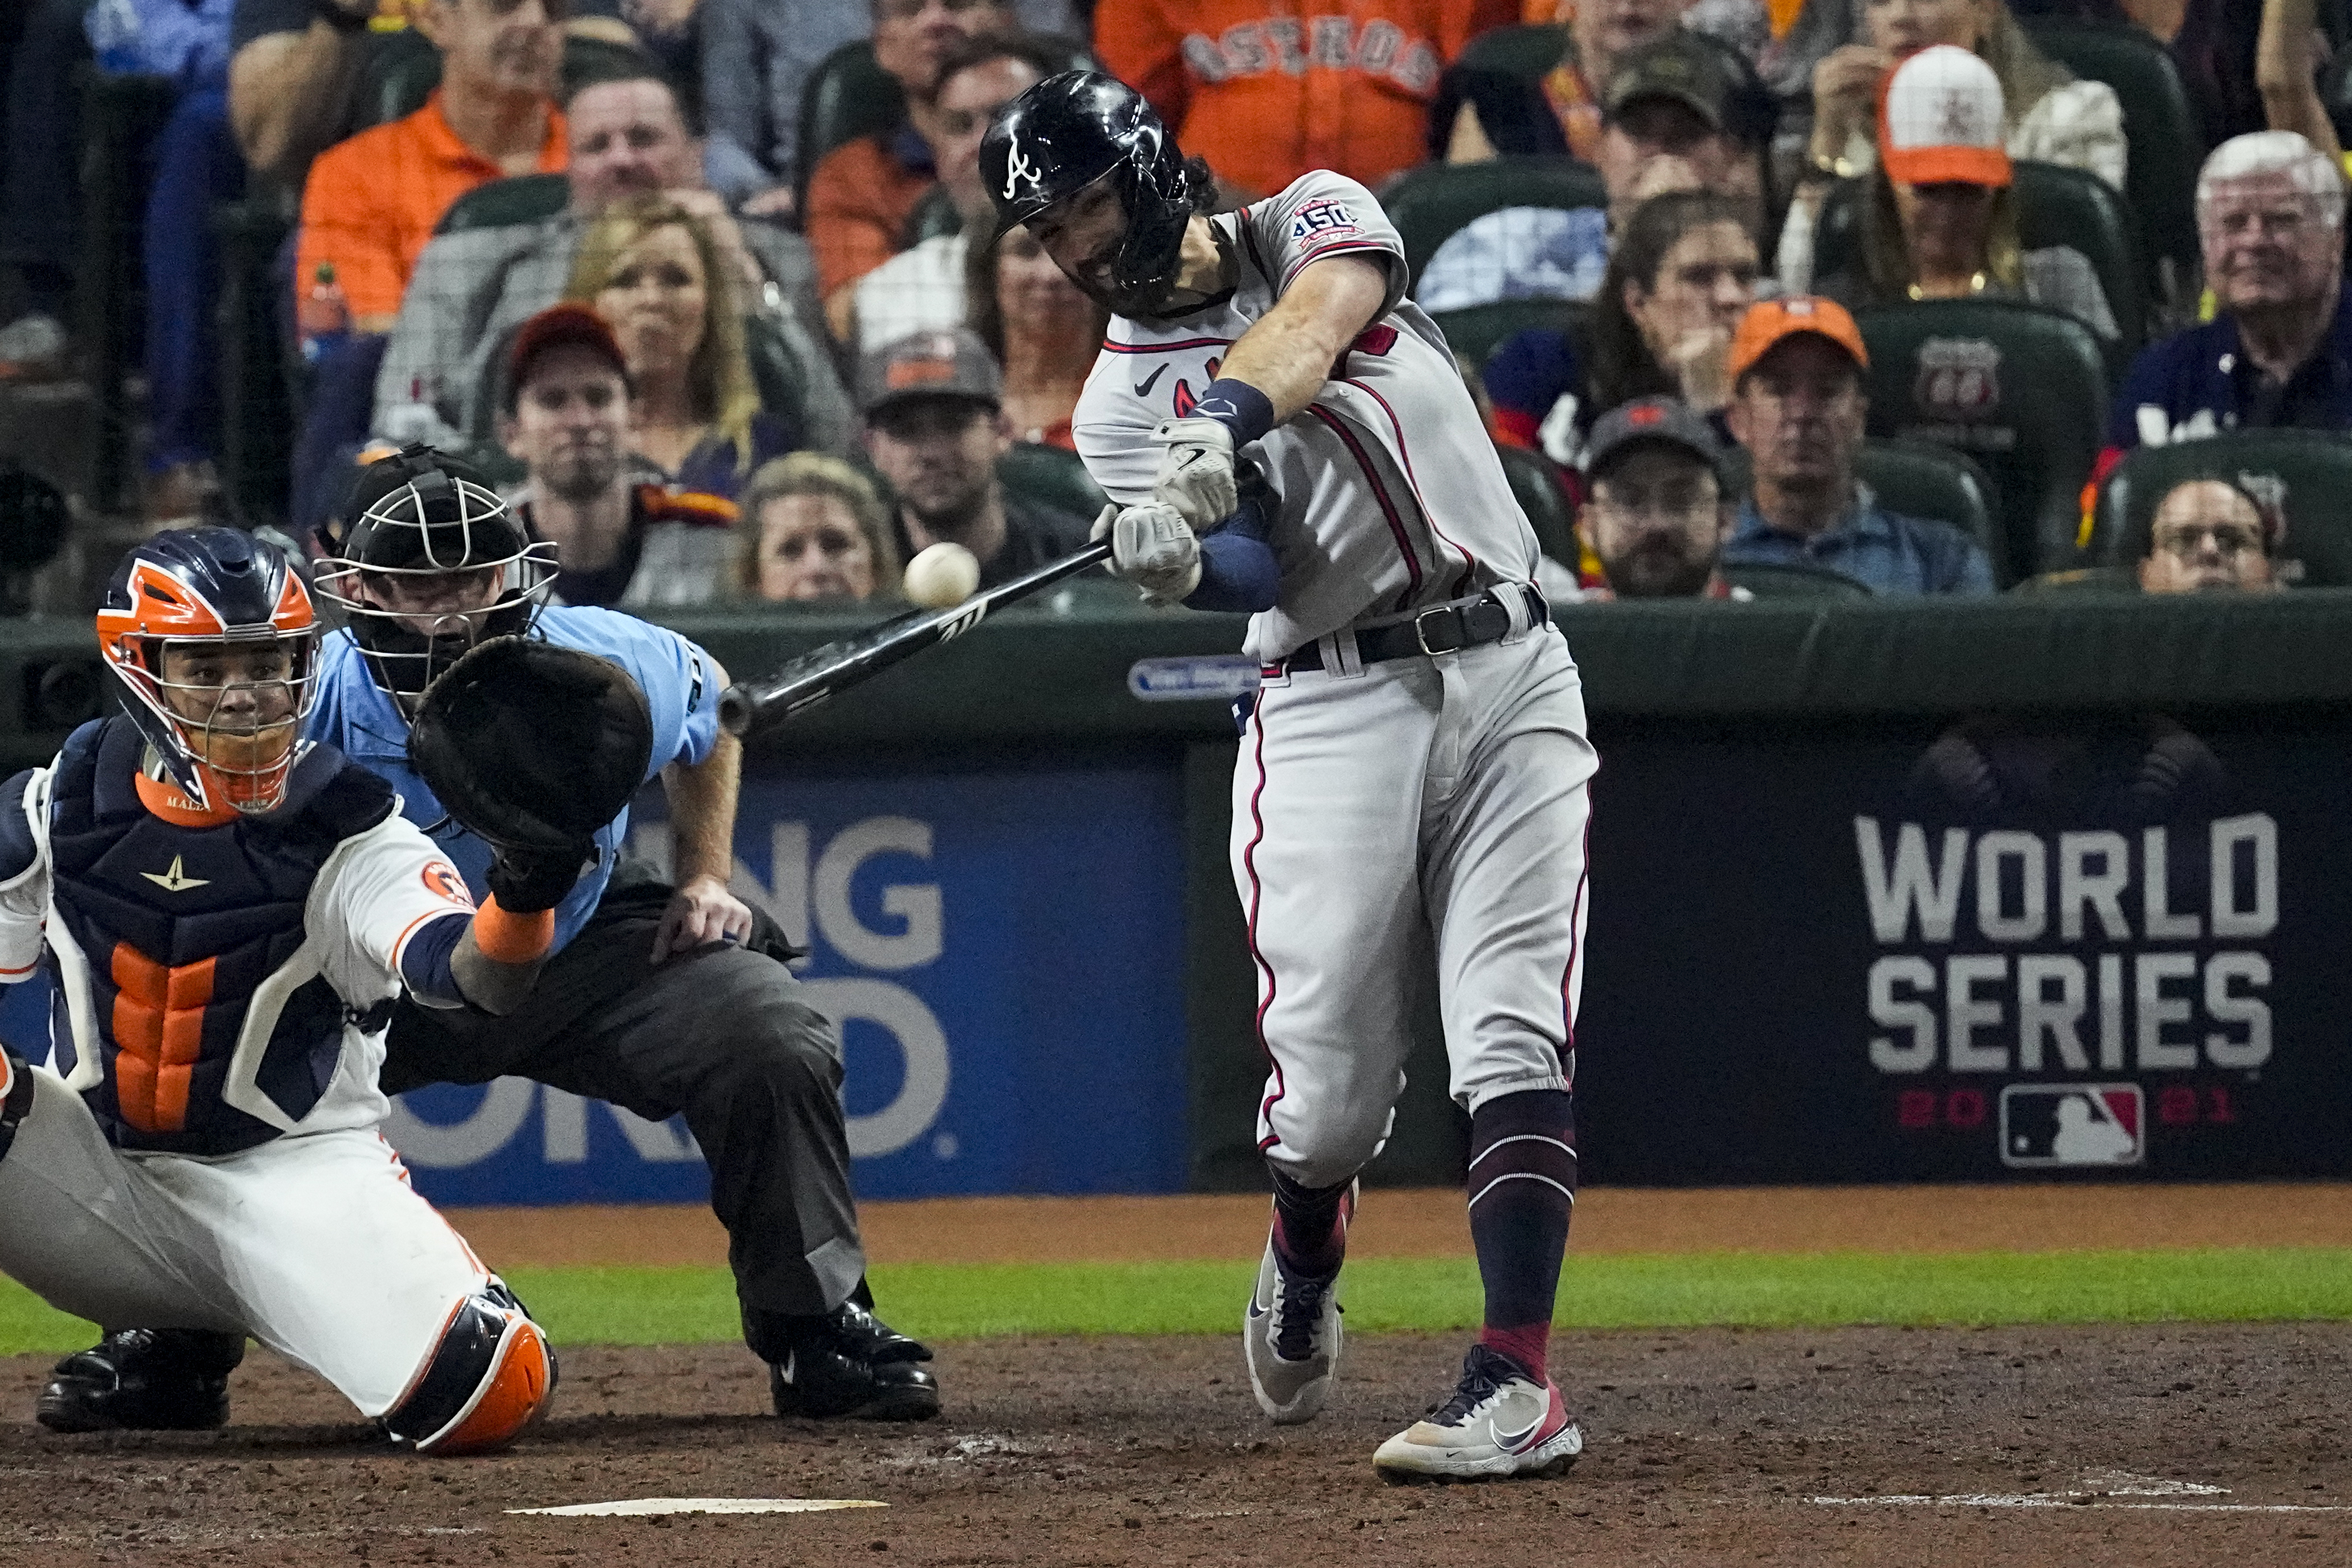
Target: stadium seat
(2315,470)
(2080,580)
(121,117)
(1529,52)
(525,198)
(260,369)
(2020,389)
(1768,580)
(2167,147)
(404,68)
(1052,477)
(1475,333)
(1429,203)
(1918,478)
(1535,482)
(847,96)
(2055,207)
(934,215)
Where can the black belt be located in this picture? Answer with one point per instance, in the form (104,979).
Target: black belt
(1447,628)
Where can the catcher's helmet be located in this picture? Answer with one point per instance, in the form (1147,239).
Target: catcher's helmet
(1071,131)
(232,738)
(402,564)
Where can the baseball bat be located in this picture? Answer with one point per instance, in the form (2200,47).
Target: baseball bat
(750,706)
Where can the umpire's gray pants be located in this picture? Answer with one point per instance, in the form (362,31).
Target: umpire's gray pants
(722,1034)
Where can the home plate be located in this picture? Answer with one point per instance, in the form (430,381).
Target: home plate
(637,1507)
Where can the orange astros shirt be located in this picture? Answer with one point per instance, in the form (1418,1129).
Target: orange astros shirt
(372,201)
(1267,89)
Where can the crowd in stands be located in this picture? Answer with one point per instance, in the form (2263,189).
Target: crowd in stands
(713,284)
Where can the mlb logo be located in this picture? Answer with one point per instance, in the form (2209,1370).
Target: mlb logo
(2072,1124)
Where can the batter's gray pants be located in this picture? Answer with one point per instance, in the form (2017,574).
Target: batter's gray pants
(722,1034)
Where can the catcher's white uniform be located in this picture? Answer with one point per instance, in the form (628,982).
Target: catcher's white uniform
(299,1230)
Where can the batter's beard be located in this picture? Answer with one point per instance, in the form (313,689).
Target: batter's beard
(1135,304)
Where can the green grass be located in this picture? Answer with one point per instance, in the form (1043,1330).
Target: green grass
(648,1306)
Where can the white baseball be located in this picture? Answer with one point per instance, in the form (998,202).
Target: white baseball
(943,575)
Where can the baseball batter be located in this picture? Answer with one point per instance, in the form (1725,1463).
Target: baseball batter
(228,914)
(1288,435)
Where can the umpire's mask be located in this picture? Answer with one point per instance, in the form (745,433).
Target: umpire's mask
(429,563)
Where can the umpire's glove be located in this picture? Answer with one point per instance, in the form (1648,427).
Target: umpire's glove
(1196,470)
(1151,547)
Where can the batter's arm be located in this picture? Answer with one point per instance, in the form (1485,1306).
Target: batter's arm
(1289,354)
(1275,369)
(702,822)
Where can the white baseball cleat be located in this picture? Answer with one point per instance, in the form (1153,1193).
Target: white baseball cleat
(1500,1422)
(1291,1335)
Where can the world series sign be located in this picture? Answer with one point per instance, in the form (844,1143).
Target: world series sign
(2005,949)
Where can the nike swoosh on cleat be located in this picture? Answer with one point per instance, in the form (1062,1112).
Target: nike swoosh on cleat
(1515,1441)
(1143,388)
(1257,1310)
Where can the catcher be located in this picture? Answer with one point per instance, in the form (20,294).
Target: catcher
(663,999)
(227,912)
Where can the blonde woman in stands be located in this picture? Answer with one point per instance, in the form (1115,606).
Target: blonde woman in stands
(652,269)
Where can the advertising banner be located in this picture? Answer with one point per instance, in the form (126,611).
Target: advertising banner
(1003,953)
(1994,949)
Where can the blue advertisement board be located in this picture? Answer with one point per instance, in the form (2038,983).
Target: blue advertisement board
(1003,953)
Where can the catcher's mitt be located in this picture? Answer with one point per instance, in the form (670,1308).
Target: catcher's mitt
(533,747)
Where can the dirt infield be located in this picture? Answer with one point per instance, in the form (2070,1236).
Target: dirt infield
(2156,1448)
(1428,1223)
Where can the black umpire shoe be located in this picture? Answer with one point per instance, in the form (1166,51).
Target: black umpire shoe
(143,1380)
(849,1363)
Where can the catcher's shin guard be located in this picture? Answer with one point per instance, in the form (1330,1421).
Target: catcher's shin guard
(491,1373)
(16,1095)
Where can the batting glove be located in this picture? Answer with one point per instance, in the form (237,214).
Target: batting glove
(1151,547)
(1196,470)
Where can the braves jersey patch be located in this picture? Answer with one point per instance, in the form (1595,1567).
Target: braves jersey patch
(1325,219)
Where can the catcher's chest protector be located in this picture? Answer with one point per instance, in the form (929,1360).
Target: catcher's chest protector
(179,927)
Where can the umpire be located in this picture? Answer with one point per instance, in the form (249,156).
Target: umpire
(663,999)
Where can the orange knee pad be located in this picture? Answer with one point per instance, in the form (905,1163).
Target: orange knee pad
(491,1374)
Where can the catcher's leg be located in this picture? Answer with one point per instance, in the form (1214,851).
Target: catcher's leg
(490,1373)
(340,1267)
(83,1235)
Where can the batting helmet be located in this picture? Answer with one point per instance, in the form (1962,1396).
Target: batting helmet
(429,562)
(1073,131)
(228,734)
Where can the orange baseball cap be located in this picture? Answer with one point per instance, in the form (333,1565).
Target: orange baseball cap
(1939,121)
(1770,322)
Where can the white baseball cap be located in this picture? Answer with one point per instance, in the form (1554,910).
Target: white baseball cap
(1939,121)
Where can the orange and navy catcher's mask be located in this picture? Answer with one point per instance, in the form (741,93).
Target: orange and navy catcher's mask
(202,589)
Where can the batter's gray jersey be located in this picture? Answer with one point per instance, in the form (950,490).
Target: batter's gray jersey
(1393,498)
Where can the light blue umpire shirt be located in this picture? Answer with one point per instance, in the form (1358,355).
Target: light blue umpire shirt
(360,719)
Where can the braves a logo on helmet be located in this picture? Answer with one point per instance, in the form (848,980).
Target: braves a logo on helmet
(1017,168)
